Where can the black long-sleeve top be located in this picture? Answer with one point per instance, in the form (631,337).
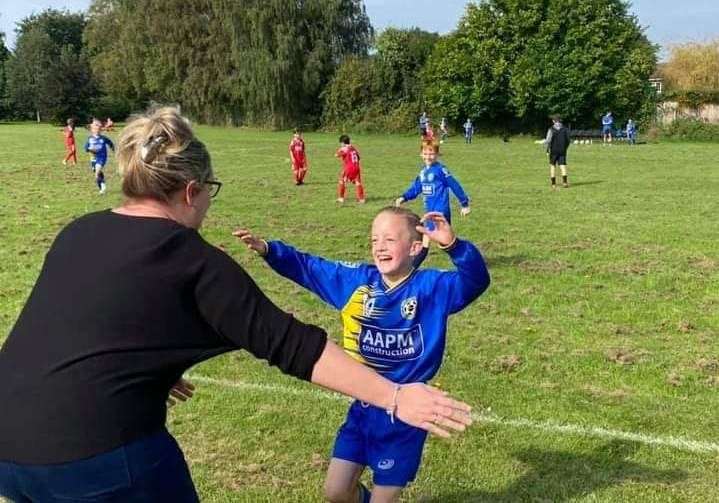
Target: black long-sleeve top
(558,140)
(122,307)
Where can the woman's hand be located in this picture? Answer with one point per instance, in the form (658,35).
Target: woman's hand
(181,391)
(252,242)
(428,408)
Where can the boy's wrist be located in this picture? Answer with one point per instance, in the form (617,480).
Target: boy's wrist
(450,245)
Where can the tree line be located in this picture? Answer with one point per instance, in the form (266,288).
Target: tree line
(318,63)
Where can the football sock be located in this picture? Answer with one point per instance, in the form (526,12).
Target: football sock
(364,494)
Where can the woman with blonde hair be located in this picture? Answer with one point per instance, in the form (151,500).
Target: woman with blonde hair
(89,364)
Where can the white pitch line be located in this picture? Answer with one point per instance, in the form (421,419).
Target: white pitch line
(678,443)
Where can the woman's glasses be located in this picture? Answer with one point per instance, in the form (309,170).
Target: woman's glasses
(214,187)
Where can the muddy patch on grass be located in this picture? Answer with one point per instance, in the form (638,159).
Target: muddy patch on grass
(614,395)
(704,264)
(675,379)
(625,356)
(634,269)
(544,266)
(506,364)
(708,365)
(685,326)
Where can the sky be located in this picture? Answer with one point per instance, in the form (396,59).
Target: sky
(666,21)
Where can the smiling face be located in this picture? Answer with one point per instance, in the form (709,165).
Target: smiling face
(393,246)
(429,155)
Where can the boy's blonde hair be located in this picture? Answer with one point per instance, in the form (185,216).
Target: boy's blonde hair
(158,154)
(410,217)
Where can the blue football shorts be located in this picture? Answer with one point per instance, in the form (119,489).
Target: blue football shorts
(392,450)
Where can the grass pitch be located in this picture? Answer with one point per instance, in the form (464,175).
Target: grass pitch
(602,313)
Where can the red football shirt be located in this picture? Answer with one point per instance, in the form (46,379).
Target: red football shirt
(350,159)
(297,149)
(69,136)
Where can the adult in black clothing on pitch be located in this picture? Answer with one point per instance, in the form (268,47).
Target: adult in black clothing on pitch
(557,143)
(89,364)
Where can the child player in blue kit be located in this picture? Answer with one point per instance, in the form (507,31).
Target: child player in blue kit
(434,183)
(96,145)
(394,320)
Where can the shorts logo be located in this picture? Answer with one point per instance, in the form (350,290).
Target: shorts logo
(409,308)
(385,464)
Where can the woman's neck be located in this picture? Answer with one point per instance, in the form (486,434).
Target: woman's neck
(147,207)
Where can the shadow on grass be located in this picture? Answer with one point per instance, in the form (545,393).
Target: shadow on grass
(588,182)
(563,476)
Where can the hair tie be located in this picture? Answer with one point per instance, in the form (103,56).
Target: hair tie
(149,150)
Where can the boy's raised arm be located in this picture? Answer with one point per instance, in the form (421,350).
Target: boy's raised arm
(332,281)
(471,277)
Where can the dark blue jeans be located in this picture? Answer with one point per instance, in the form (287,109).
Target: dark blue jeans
(150,470)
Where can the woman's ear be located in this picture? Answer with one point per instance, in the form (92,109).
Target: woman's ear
(191,191)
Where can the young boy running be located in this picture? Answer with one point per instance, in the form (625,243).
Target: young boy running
(70,148)
(394,320)
(351,171)
(298,157)
(434,183)
(97,145)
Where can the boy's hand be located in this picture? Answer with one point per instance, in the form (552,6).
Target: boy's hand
(441,232)
(254,243)
(181,391)
(398,202)
(465,210)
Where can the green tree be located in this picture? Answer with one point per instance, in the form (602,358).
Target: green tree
(249,61)
(46,75)
(4,56)
(693,66)
(382,91)
(401,54)
(515,62)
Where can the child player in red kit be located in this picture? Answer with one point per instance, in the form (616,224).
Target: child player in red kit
(298,157)
(350,170)
(70,149)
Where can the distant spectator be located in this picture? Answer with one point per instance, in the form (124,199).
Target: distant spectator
(631,132)
(468,131)
(607,126)
(443,130)
(423,124)
(557,143)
